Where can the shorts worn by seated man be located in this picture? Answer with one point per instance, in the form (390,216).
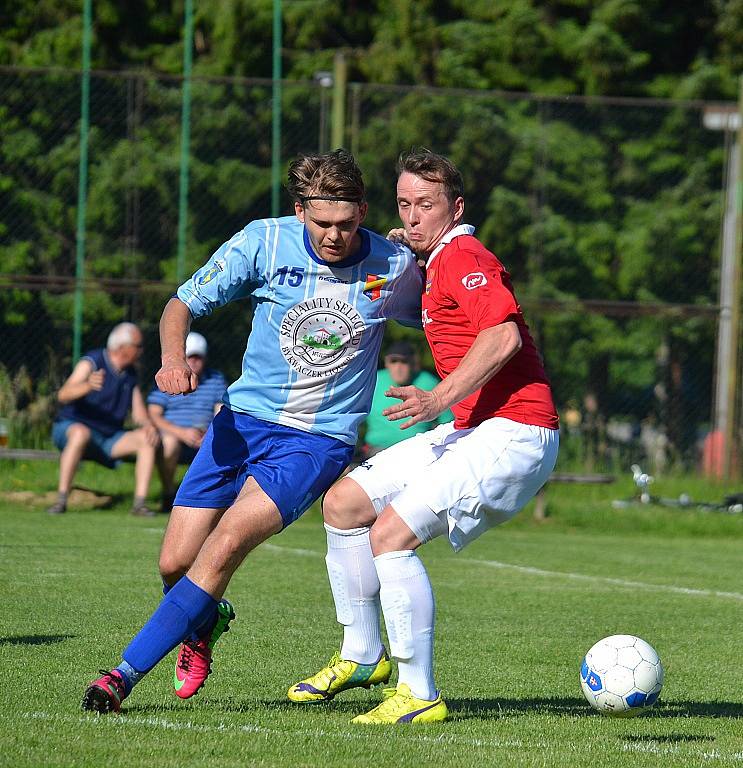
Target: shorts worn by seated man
(99,448)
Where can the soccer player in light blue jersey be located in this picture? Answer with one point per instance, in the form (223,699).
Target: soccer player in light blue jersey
(321,288)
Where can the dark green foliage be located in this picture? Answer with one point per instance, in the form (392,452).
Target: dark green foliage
(582,200)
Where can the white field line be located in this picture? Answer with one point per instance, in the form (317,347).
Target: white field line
(608,580)
(557,574)
(292,550)
(363,734)
(654,748)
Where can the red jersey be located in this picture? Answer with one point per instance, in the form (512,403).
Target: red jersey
(468,290)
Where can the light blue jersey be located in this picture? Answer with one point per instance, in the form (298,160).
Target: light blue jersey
(311,357)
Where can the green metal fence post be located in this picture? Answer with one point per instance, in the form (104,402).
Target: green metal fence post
(82,185)
(355,117)
(185,139)
(276,111)
(338,115)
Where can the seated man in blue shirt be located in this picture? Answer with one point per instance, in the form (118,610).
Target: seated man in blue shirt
(96,398)
(183,419)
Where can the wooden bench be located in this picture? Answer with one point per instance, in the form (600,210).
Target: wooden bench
(24,454)
(540,500)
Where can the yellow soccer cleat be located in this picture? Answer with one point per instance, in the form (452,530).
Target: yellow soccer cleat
(340,675)
(400,706)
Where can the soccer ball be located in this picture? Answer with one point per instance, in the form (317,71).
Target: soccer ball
(621,676)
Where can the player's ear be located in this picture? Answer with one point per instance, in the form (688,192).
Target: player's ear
(363,210)
(299,210)
(459,209)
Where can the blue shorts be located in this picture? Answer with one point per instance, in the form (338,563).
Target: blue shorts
(292,467)
(99,447)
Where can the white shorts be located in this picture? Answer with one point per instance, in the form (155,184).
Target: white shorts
(460,482)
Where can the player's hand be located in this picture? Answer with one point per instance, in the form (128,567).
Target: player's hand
(397,235)
(151,435)
(417,405)
(96,379)
(192,437)
(176,377)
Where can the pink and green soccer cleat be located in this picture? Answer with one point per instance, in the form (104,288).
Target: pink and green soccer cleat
(105,694)
(194,661)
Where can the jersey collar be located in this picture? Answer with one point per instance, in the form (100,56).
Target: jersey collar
(351,261)
(462,229)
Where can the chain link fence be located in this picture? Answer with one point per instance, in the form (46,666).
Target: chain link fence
(606,212)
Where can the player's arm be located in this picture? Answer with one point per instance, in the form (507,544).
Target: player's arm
(142,419)
(175,377)
(82,381)
(492,349)
(231,273)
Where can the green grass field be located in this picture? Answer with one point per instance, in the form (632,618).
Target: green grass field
(516,612)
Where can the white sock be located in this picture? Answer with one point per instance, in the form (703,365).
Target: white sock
(409,611)
(355,587)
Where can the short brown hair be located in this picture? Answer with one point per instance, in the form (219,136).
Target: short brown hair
(432,167)
(332,176)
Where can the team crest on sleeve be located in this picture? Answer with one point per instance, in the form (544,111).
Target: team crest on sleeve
(474,280)
(210,274)
(319,337)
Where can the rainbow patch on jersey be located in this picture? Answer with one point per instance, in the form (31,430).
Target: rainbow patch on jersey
(429,280)
(373,286)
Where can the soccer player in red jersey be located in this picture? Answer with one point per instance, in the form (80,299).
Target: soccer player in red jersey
(457,480)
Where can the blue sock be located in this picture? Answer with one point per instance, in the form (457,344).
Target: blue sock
(129,675)
(205,628)
(185,607)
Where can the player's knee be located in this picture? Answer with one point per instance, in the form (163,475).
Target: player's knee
(390,534)
(172,566)
(346,505)
(378,538)
(78,434)
(142,446)
(332,505)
